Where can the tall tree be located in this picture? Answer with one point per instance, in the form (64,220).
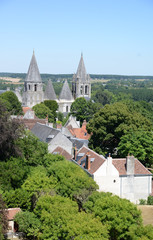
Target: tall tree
(118,214)
(42,112)
(10,131)
(13,106)
(83,109)
(111,123)
(3,218)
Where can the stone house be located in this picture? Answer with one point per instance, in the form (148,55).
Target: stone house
(125,177)
(53,137)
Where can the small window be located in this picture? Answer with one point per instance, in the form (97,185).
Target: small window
(86,89)
(114,181)
(85,134)
(35,86)
(81,88)
(67,108)
(29,87)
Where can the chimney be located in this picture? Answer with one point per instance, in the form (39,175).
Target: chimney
(109,165)
(75,153)
(130,162)
(87,165)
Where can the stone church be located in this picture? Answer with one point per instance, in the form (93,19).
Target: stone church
(33,87)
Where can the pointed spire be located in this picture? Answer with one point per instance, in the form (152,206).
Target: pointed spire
(33,74)
(49,91)
(81,71)
(65,92)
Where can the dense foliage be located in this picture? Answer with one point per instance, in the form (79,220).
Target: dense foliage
(11,102)
(43,112)
(83,109)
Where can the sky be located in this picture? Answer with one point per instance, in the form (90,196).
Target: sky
(115,36)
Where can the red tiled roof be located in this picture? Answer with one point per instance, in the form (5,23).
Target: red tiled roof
(12,212)
(98,160)
(80,133)
(29,123)
(25,109)
(62,152)
(120,165)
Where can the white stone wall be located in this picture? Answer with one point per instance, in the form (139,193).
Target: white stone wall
(63,105)
(136,188)
(108,179)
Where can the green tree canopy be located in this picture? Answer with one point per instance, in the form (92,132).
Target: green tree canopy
(111,123)
(118,214)
(3,218)
(13,105)
(139,144)
(10,131)
(71,180)
(33,150)
(60,219)
(52,105)
(29,224)
(83,109)
(42,112)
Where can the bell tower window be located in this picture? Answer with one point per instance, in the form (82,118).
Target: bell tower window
(35,87)
(81,88)
(86,89)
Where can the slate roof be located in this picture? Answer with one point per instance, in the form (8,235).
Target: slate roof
(81,71)
(78,143)
(11,212)
(33,74)
(62,152)
(139,169)
(49,91)
(44,132)
(65,92)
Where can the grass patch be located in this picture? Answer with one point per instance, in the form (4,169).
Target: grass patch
(147,213)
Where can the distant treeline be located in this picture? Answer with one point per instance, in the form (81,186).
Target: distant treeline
(60,77)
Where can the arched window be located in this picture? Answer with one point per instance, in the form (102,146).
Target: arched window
(86,89)
(67,108)
(35,87)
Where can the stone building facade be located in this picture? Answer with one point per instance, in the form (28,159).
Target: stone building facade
(33,88)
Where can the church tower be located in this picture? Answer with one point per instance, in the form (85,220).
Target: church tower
(65,98)
(33,88)
(81,85)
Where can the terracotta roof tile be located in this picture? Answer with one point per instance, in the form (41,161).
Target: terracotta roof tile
(12,212)
(25,109)
(80,133)
(62,152)
(96,163)
(139,169)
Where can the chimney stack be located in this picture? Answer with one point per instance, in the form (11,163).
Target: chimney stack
(130,164)
(87,161)
(75,152)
